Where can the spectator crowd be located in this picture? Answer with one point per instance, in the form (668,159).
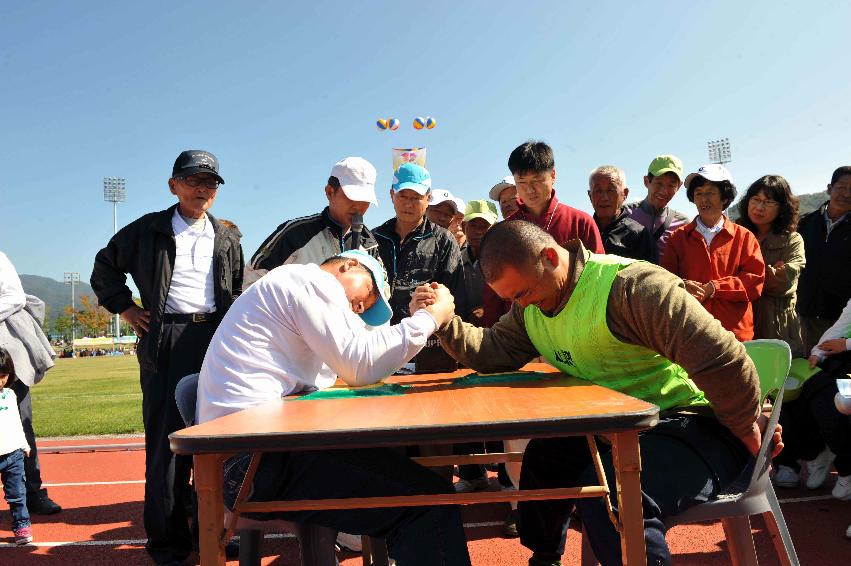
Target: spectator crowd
(769,275)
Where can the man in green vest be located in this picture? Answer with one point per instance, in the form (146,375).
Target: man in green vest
(630,326)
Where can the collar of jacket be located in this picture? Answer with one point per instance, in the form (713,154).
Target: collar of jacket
(421,232)
(691,228)
(332,225)
(523,212)
(619,217)
(162,222)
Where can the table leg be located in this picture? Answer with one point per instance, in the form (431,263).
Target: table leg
(627,461)
(208,486)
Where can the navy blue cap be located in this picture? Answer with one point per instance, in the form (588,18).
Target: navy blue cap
(193,161)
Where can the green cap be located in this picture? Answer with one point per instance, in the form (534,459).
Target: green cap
(481,209)
(666,164)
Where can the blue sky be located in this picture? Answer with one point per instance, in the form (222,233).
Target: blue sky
(280,91)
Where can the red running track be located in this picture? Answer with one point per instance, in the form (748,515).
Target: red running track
(101,493)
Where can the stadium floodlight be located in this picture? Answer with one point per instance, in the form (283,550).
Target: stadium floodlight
(72,278)
(114,192)
(719,151)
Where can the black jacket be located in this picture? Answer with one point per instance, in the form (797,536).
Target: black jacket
(310,239)
(145,249)
(627,238)
(429,253)
(825,284)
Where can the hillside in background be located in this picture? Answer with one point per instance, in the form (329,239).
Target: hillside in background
(56,294)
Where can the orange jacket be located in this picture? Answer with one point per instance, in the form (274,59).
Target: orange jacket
(733,263)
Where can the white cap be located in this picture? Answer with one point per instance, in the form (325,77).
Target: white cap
(438,196)
(714,172)
(357,178)
(497,189)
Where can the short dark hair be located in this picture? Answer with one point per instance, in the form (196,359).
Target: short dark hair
(335,183)
(728,189)
(517,243)
(531,157)
(777,189)
(7,367)
(840,172)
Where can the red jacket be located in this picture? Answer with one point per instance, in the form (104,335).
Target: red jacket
(562,222)
(733,263)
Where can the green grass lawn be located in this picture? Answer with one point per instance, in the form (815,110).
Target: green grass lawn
(83,396)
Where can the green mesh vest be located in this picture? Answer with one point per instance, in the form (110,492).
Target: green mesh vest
(578,341)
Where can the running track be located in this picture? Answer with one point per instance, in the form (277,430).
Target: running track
(101,493)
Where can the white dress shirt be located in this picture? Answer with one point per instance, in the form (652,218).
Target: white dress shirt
(192,289)
(707,232)
(275,338)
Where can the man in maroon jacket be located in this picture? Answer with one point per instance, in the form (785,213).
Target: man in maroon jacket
(533,166)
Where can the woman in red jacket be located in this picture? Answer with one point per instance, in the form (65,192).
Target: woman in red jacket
(719,261)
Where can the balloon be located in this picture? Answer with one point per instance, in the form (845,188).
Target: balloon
(430,122)
(419,123)
(393,123)
(382,124)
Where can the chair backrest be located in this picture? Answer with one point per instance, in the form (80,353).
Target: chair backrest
(772,359)
(185,395)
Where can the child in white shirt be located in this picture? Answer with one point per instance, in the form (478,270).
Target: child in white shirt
(13,449)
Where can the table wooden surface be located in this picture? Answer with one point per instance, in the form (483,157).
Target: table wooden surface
(433,410)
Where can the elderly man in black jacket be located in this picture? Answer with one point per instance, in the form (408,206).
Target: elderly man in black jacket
(188,269)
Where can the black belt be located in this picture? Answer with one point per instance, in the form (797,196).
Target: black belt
(181,318)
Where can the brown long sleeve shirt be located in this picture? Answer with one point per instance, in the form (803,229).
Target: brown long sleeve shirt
(649,307)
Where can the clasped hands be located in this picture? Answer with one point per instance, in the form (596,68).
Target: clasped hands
(700,291)
(436,299)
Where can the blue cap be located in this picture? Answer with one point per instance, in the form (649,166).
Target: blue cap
(380,312)
(412,176)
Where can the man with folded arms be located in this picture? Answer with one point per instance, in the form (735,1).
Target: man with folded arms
(651,340)
(274,342)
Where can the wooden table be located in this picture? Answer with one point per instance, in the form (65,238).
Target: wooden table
(433,411)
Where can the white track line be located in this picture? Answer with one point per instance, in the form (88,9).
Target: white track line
(142,541)
(78,484)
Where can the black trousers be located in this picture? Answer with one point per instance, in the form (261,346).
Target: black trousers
(812,421)
(167,491)
(685,460)
(416,536)
(31,465)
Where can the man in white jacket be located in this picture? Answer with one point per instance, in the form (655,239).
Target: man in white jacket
(274,342)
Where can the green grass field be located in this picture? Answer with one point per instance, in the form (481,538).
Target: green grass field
(82,396)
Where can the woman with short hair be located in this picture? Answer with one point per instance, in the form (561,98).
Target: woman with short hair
(719,261)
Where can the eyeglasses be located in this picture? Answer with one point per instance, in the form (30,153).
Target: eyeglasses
(765,203)
(195,182)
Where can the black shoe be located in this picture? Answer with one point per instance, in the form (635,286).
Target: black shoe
(232,550)
(43,505)
(509,529)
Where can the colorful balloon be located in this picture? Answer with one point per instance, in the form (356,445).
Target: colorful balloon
(382,124)
(430,122)
(393,123)
(419,123)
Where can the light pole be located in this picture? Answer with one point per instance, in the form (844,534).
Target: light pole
(72,278)
(719,151)
(114,192)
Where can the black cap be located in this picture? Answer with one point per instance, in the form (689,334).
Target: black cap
(194,161)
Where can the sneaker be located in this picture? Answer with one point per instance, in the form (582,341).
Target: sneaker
(350,543)
(818,469)
(509,529)
(535,561)
(786,477)
(43,505)
(469,486)
(842,489)
(23,535)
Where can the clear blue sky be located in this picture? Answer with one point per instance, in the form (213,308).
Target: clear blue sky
(280,91)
